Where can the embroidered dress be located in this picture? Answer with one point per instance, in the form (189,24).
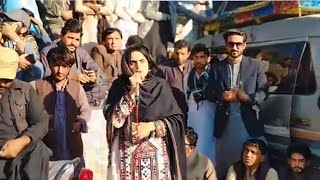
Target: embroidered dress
(148,158)
(145,161)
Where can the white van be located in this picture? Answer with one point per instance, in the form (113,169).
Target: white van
(290,52)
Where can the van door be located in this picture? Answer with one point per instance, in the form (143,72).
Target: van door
(280,60)
(305,124)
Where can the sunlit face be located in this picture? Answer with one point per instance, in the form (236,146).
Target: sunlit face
(60,72)
(4,85)
(71,40)
(200,60)
(235,46)
(297,162)
(113,41)
(139,64)
(252,156)
(181,55)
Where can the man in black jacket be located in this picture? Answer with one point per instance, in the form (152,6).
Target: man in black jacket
(23,124)
(237,85)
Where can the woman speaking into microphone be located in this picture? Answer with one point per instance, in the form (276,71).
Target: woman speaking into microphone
(144,123)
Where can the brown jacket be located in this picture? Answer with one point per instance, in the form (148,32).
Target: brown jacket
(46,92)
(111,64)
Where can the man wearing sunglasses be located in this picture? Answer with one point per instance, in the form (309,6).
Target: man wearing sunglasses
(237,84)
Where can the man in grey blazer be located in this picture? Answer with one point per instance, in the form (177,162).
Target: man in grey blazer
(237,85)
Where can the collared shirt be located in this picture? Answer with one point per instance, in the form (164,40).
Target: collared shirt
(236,69)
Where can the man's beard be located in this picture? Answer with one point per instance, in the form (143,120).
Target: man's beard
(297,168)
(74,48)
(238,54)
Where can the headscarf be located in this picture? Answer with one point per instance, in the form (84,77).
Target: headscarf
(156,103)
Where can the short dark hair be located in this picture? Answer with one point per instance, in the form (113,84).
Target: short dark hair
(73,26)
(231,32)
(135,39)
(191,136)
(30,13)
(60,56)
(258,143)
(200,47)
(109,31)
(182,44)
(299,148)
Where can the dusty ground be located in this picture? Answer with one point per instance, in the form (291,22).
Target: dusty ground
(95,145)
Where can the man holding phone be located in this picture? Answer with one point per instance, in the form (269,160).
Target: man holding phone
(84,70)
(14,29)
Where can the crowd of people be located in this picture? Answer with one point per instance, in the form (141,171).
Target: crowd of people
(184,116)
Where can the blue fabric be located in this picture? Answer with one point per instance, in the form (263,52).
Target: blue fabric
(10,5)
(34,73)
(229,145)
(60,127)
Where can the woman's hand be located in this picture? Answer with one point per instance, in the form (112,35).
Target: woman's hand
(135,80)
(142,130)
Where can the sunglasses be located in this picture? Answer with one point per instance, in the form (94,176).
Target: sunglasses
(231,44)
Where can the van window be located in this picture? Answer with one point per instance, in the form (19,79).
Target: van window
(306,80)
(281,62)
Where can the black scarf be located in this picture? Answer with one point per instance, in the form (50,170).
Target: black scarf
(156,103)
(197,86)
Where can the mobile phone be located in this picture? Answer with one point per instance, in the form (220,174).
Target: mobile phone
(31,59)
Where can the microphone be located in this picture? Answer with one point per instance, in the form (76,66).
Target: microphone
(137,99)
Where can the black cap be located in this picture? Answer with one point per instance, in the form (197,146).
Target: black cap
(258,143)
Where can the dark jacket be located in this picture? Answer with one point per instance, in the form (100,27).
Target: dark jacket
(170,71)
(253,82)
(45,90)
(22,113)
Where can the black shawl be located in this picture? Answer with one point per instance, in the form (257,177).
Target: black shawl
(156,103)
